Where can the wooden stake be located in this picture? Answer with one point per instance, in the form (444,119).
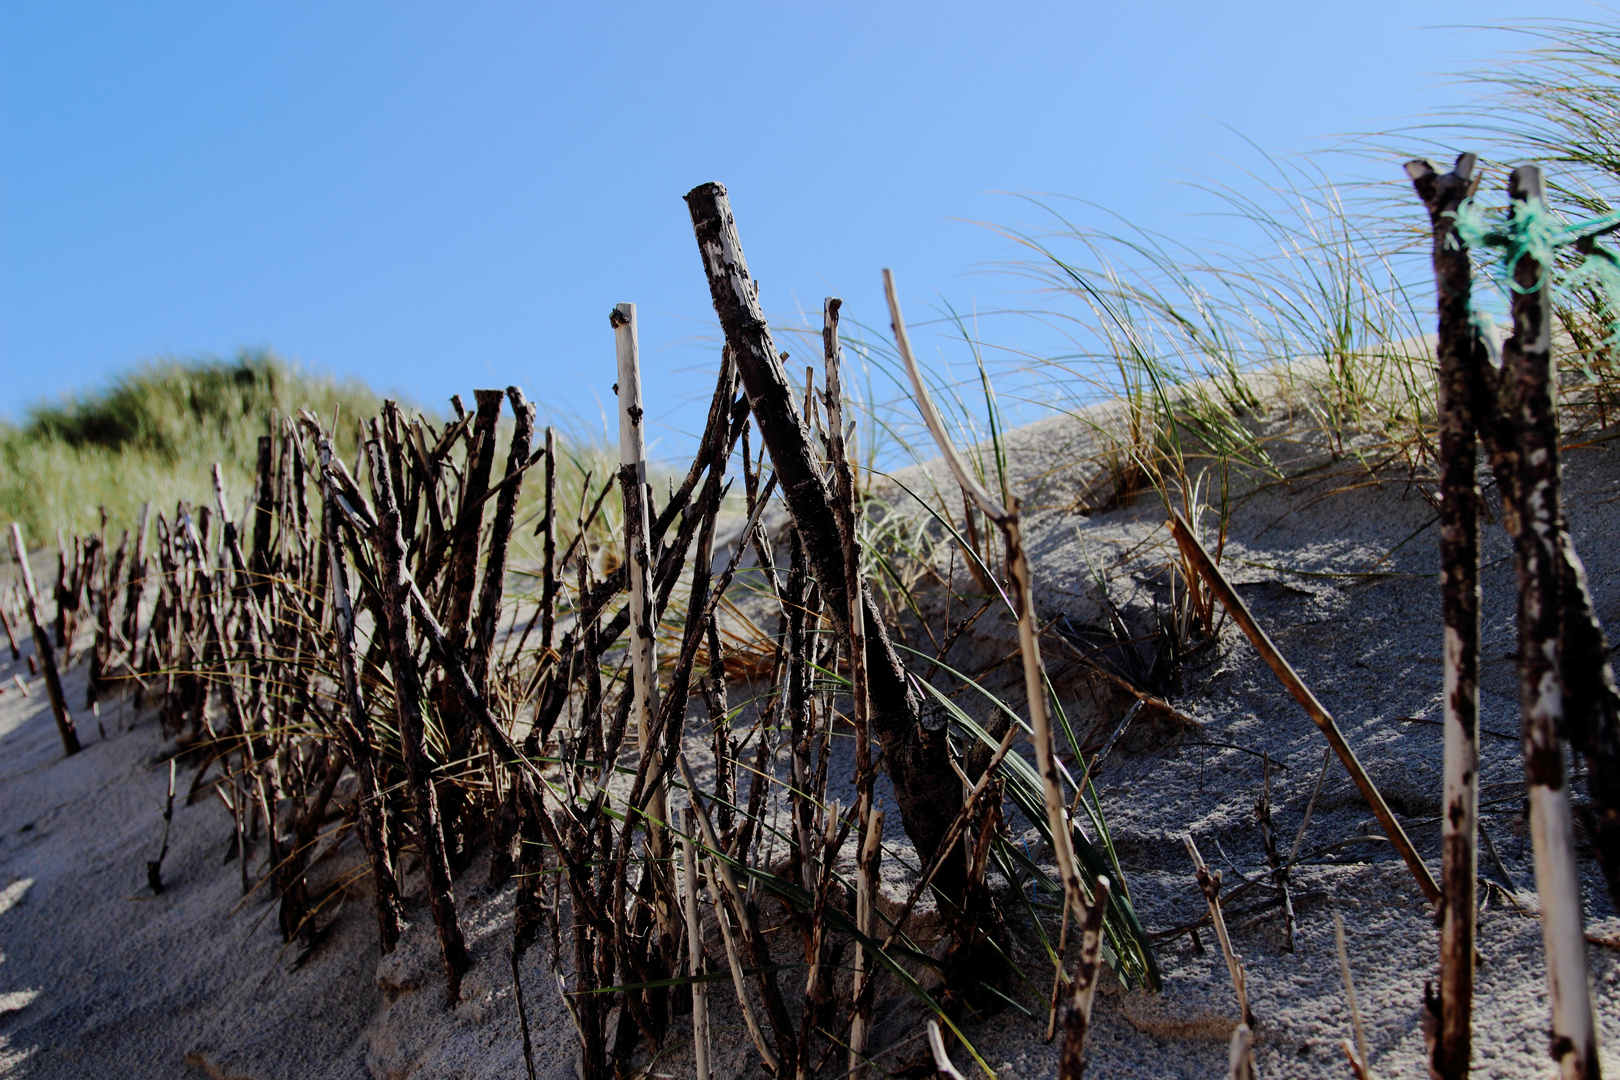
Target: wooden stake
(43,648)
(500,535)
(1527,360)
(1209,883)
(548,596)
(1459,602)
(259,565)
(638,564)
(849,515)
(916,751)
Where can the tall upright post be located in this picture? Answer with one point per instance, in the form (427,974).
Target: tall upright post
(638,564)
(1527,363)
(43,647)
(1452,1010)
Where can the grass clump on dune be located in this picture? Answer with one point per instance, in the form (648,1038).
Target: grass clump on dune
(154,433)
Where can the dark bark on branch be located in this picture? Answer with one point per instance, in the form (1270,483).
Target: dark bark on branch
(1538,549)
(463,570)
(548,596)
(1459,605)
(500,536)
(262,514)
(916,756)
(354,723)
(137,577)
(43,648)
(389,544)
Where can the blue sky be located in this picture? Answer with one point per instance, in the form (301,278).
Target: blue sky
(434,197)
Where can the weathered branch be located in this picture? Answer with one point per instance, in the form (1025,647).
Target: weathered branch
(43,648)
(916,753)
(1459,605)
(1538,550)
(389,543)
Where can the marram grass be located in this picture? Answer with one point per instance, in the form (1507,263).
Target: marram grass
(154,433)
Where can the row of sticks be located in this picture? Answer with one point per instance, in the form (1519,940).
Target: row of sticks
(359,654)
(333,664)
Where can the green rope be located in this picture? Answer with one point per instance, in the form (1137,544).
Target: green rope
(1530,229)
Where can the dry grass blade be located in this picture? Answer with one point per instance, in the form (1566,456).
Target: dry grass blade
(1357,1054)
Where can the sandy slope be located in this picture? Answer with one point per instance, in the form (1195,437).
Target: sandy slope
(100,978)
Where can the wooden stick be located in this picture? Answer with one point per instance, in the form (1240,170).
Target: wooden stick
(154,867)
(1077,1011)
(942,1060)
(548,596)
(43,648)
(1209,883)
(1279,869)
(63,596)
(861,990)
(848,512)
(523,1014)
(638,563)
(916,751)
(263,515)
(463,568)
(1006,519)
(1527,360)
(1194,553)
(500,535)
(389,543)
(136,583)
(11,637)
(722,883)
(1459,604)
(1240,1056)
(694,950)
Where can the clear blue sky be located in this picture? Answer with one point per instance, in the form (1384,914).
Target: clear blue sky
(440,196)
